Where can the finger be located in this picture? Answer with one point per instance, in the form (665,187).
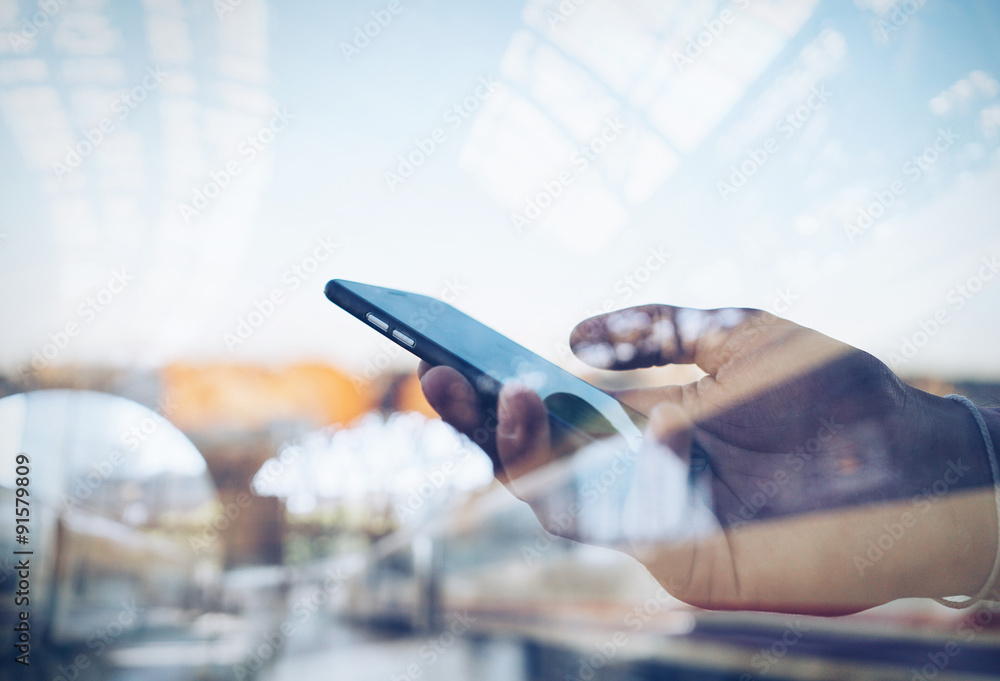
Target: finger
(700,401)
(452,396)
(529,468)
(655,335)
(522,437)
(644,400)
(423,368)
(743,351)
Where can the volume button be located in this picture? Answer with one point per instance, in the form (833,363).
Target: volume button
(376,322)
(402,337)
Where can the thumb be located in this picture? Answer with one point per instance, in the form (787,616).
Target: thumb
(522,432)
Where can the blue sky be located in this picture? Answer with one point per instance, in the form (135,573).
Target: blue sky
(267,92)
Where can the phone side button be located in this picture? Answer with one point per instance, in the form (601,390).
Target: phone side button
(376,322)
(402,337)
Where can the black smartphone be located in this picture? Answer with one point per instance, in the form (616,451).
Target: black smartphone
(442,335)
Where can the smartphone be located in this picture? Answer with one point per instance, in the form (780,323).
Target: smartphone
(439,334)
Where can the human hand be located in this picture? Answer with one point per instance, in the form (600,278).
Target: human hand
(816,450)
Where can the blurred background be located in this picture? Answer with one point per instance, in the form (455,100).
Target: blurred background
(230,477)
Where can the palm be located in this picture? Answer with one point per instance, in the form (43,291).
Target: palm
(822,440)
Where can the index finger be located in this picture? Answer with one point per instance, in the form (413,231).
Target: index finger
(744,351)
(655,335)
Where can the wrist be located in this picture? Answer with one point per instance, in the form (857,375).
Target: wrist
(956,499)
(944,451)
